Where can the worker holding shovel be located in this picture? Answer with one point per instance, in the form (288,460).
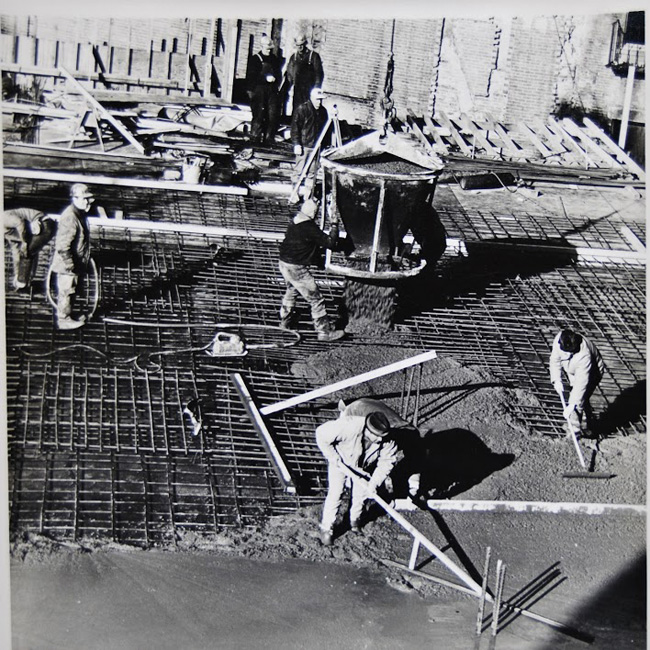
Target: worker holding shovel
(361,444)
(584,367)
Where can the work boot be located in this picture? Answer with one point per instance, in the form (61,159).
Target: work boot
(325,330)
(355,527)
(68,323)
(325,537)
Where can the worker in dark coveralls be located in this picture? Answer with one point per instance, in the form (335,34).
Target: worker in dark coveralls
(263,80)
(373,440)
(302,247)
(304,72)
(72,254)
(307,124)
(27,231)
(584,367)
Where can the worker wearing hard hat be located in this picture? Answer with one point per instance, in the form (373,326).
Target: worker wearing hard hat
(72,254)
(584,367)
(301,247)
(307,124)
(304,72)
(27,231)
(363,444)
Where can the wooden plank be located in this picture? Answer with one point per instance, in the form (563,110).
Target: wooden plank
(457,137)
(268,439)
(479,135)
(555,142)
(347,383)
(37,174)
(619,154)
(534,138)
(513,148)
(411,119)
(123,131)
(573,129)
(439,142)
(524,507)
(556,127)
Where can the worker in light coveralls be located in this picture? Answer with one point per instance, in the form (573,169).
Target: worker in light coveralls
(72,254)
(580,359)
(27,231)
(363,438)
(301,247)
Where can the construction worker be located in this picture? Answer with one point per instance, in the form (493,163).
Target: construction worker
(406,474)
(304,72)
(584,368)
(27,231)
(72,254)
(263,80)
(307,124)
(362,443)
(301,247)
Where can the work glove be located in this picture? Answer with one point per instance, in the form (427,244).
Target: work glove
(297,149)
(568,411)
(559,387)
(270,78)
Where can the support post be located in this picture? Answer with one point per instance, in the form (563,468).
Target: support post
(627,105)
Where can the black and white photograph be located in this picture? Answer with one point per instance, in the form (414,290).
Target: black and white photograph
(324,326)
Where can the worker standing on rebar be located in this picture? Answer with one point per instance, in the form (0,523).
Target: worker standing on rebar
(304,72)
(307,124)
(301,248)
(72,254)
(263,81)
(27,231)
(362,443)
(583,364)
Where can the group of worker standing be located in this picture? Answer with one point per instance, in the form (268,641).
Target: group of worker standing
(268,91)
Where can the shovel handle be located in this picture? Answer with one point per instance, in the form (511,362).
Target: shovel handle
(581,458)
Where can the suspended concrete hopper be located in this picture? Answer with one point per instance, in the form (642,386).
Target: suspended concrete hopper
(381,188)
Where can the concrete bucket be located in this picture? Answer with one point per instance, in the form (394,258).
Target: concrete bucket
(382,191)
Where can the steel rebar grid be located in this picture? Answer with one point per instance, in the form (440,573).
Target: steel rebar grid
(78,408)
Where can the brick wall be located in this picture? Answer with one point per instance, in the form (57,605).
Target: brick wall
(514,68)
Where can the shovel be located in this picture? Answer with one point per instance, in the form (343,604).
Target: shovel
(587,474)
(572,433)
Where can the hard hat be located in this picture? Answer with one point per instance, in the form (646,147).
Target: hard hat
(377,423)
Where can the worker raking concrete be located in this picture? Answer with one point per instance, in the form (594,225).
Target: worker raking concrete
(584,368)
(374,442)
(301,248)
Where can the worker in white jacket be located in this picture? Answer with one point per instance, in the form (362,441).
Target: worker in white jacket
(584,367)
(363,444)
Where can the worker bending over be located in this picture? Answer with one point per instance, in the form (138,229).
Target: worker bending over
(372,440)
(27,231)
(584,368)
